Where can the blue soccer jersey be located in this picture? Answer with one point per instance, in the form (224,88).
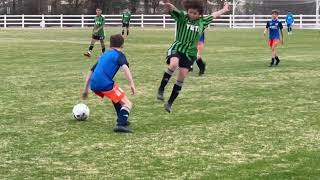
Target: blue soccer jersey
(289,19)
(274,26)
(105,69)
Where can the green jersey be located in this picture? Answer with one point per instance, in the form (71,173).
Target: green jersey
(126,17)
(187,33)
(99,22)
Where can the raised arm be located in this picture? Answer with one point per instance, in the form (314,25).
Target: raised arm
(167,5)
(128,75)
(226,8)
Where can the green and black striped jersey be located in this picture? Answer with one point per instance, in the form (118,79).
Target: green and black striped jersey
(187,33)
(126,17)
(99,22)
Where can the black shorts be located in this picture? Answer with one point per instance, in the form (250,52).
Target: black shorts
(184,61)
(126,25)
(99,38)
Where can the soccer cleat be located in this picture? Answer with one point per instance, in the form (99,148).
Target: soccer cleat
(160,95)
(87,54)
(277,62)
(168,107)
(122,129)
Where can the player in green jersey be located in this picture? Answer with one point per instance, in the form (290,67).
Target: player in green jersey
(97,33)
(126,16)
(182,53)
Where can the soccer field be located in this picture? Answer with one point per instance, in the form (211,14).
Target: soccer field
(241,120)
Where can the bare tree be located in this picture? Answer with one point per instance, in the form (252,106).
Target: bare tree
(133,5)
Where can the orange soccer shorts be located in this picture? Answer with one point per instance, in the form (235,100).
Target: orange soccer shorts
(273,42)
(115,95)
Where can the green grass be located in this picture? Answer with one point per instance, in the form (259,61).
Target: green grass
(242,120)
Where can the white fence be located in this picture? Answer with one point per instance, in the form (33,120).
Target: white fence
(82,21)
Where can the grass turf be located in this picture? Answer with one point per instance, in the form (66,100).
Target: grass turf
(242,120)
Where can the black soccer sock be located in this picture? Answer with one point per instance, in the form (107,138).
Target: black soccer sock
(200,64)
(165,79)
(103,49)
(122,32)
(277,60)
(91,47)
(272,62)
(128,32)
(123,116)
(117,107)
(175,91)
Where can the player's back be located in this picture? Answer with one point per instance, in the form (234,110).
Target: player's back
(105,70)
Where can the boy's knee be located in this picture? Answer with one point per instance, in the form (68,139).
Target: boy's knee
(129,104)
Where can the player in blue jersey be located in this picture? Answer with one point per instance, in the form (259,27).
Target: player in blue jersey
(100,80)
(289,22)
(274,27)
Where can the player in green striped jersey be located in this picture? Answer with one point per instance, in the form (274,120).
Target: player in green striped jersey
(126,16)
(97,32)
(182,53)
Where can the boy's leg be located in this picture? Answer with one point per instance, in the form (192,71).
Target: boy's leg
(88,54)
(202,66)
(128,30)
(103,46)
(273,55)
(117,107)
(122,30)
(123,116)
(277,60)
(174,62)
(183,73)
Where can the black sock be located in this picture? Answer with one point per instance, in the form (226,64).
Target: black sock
(117,107)
(175,91)
(165,79)
(123,116)
(91,47)
(272,62)
(103,49)
(122,32)
(278,60)
(200,64)
(127,32)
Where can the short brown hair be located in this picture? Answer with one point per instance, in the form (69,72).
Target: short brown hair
(116,41)
(275,11)
(194,4)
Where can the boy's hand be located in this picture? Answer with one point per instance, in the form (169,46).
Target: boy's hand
(163,2)
(226,7)
(133,90)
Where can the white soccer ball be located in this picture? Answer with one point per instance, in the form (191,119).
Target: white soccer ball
(81,112)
